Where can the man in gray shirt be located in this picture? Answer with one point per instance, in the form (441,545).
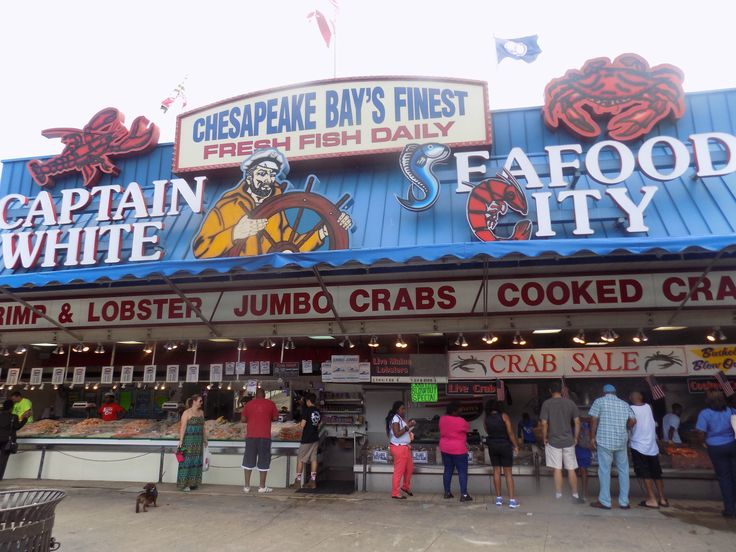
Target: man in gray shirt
(558,415)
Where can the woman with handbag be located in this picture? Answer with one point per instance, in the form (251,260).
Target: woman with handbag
(9,424)
(400,438)
(192,442)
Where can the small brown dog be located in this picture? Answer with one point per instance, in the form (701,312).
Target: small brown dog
(146,498)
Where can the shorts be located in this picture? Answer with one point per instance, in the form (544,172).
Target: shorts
(646,467)
(307,452)
(558,458)
(501,454)
(257,454)
(584,456)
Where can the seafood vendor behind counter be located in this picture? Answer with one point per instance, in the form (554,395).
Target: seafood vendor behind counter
(110,410)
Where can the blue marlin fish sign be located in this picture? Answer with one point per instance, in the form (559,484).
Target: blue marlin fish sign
(417,162)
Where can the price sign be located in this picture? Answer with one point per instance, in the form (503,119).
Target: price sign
(36,376)
(149,373)
(172,373)
(424,392)
(106,375)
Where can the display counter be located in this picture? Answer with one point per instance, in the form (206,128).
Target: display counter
(145,455)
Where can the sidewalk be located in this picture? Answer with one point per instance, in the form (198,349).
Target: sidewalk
(96,516)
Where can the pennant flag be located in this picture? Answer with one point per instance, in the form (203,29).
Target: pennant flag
(724,383)
(178,93)
(524,48)
(655,388)
(564,390)
(325,19)
(500,391)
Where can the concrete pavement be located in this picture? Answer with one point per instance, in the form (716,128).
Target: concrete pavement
(101,516)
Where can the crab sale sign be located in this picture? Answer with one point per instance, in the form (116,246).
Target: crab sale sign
(610,362)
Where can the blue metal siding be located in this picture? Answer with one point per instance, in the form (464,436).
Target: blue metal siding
(681,208)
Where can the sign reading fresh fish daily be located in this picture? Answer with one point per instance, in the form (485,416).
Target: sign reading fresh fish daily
(334,118)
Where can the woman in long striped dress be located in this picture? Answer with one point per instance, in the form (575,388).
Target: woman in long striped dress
(192,440)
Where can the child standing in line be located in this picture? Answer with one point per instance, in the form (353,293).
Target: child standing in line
(584,453)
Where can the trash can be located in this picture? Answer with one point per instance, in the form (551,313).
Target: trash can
(27,518)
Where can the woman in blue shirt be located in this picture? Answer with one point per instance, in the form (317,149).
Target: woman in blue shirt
(715,422)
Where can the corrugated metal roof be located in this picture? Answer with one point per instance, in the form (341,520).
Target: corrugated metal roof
(685,213)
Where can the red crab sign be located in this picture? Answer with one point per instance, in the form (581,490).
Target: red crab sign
(634,95)
(89,150)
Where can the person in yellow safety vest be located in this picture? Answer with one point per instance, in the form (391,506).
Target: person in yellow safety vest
(228,230)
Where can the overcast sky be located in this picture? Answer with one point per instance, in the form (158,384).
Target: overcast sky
(64,61)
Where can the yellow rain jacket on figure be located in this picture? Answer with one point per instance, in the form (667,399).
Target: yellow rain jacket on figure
(215,238)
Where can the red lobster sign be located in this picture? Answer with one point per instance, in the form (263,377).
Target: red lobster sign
(89,150)
(634,95)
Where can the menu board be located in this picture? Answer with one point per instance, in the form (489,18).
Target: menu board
(215,373)
(192,373)
(79,374)
(36,376)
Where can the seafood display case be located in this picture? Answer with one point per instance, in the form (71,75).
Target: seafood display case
(139,450)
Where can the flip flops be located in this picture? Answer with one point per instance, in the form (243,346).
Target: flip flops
(644,504)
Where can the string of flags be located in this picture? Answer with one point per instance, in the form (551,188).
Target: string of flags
(177,94)
(325,16)
(525,48)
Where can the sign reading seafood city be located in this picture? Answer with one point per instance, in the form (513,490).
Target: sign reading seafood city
(395,300)
(331,118)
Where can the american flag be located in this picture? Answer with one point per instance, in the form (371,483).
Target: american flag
(655,388)
(564,390)
(724,383)
(500,391)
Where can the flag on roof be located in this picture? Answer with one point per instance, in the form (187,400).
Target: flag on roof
(177,94)
(524,48)
(724,383)
(655,388)
(325,17)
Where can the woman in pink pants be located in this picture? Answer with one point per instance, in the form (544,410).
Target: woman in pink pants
(400,438)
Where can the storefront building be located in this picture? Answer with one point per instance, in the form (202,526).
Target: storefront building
(357,236)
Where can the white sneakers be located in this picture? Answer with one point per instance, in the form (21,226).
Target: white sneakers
(263,490)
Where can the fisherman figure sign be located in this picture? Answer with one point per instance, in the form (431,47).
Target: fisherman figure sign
(250,219)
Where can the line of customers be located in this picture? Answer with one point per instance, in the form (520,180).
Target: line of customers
(611,428)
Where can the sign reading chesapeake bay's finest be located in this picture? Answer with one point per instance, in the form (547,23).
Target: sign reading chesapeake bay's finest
(443,298)
(336,117)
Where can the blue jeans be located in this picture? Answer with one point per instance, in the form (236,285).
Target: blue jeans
(724,464)
(452,461)
(606,458)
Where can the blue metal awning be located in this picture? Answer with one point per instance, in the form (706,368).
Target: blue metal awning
(367,257)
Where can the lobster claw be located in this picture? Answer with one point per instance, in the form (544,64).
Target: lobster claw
(140,137)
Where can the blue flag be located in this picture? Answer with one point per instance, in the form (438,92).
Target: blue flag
(524,48)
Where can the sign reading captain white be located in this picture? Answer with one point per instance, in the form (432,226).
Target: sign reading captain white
(570,363)
(85,227)
(332,118)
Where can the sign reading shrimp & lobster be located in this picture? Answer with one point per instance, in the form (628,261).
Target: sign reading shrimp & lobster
(355,116)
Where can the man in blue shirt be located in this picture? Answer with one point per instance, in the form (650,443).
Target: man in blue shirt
(610,420)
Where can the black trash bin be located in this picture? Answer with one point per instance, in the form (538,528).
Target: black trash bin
(27,518)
